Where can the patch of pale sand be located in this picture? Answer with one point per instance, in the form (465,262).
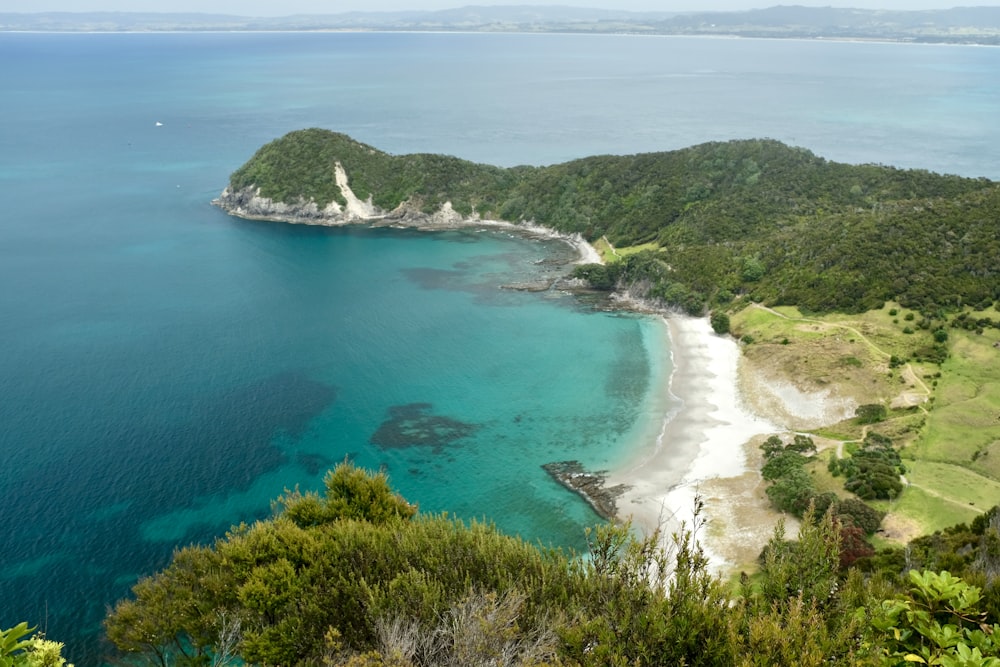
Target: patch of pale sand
(900,528)
(356,209)
(911,396)
(907,399)
(786,404)
(740,517)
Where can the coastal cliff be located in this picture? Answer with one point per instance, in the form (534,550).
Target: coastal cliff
(347,208)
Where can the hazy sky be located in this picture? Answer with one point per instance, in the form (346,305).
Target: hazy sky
(287,7)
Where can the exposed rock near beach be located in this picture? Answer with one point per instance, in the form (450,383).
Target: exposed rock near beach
(589,485)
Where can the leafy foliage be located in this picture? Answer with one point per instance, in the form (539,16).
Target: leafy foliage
(720,322)
(415,590)
(792,489)
(871,413)
(17,649)
(350,494)
(939,622)
(338,580)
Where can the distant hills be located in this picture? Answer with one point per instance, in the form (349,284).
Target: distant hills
(971,25)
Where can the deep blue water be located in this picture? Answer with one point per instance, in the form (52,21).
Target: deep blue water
(166,370)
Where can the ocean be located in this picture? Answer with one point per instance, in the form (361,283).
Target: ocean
(167,370)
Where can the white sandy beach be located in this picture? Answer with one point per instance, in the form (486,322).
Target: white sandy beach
(703,442)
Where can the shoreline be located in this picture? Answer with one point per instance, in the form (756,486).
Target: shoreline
(705,444)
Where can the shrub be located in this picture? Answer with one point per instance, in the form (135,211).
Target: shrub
(720,322)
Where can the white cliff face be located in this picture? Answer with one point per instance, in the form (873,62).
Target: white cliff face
(248,203)
(356,209)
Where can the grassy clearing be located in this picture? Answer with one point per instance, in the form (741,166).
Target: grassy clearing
(926,512)
(604,249)
(633,249)
(964,426)
(955,484)
(823,480)
(816,355)
(611,254)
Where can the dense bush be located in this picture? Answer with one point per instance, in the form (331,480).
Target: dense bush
(354,577)
(872,472)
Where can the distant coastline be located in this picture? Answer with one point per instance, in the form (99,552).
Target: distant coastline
(961,25)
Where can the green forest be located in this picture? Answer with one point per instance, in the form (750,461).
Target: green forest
(755,219)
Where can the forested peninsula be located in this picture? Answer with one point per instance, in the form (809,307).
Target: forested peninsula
(754,219)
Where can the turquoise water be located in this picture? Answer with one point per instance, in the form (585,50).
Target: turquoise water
(166,370)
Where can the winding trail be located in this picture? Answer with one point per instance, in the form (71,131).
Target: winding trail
(907,373)
(611,247)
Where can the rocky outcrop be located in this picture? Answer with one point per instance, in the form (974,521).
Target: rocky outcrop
(248,203)
(589,485)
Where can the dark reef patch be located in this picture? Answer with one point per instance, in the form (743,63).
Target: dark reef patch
(413,425)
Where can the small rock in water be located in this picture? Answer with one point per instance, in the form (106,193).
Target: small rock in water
(589,485)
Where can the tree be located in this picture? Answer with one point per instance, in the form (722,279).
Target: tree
(773,445)
(720,322)
(792,492)
(351,493)
(802,444)
(805,569)
(753,269)
(870,413)
(782,464)
(853,545)
(858,513)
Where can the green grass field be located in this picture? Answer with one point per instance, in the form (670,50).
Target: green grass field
(958,485)
(610,254)
(963,427)
(928,512)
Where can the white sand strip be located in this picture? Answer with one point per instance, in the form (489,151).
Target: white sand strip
(702,441)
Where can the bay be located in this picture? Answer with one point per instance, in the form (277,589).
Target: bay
(167,370)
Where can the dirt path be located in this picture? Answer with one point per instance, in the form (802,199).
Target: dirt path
(611,247)
(941,496)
